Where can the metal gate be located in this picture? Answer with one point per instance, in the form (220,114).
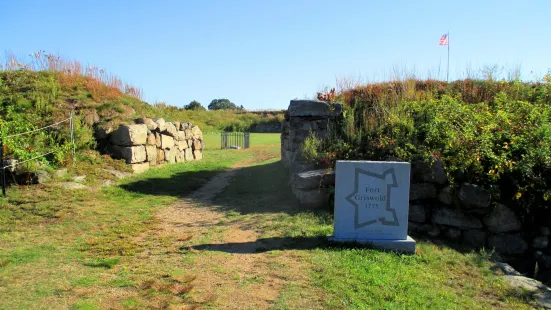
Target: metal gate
(235,140)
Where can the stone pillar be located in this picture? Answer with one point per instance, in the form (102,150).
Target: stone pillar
(303,117)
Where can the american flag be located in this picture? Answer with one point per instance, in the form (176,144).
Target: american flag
(444,40)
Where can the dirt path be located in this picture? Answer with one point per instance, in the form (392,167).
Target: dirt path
(232,268)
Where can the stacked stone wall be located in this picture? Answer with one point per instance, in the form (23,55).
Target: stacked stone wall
(152,142)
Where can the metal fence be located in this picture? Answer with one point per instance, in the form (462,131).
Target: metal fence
(235,140)
(13,165)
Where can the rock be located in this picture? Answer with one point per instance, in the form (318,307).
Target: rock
(60,173)
(139,168)
(502,219)
(198,155)
(543,299)
(540,292)
(151,152)
(118,174)
(151,139)
(79,178)
(41,176)
(544,231)
(422,191)
(313,179)
(453,233)
(128,135)
(197,145)
(474,196)
(160,155)
(506,269)
(180,156)
(315,198)
(11,165)
(455,218)
(151,125)
(197,133)
(182,135)
(528,284)
(475,238)
(189,134)
(314,108)
(188,154)
(434,231)
(171,130)
(184,126)
(107,183)
(71,185)
(132,154)
(419,228)
(161,124)
(176,125)
(446,196)
(540,242)
(508,243)
(417,213)
(182,145)
(101,133)
(429,171)
(167,142)
(158,140)
(170,155)
(235,147)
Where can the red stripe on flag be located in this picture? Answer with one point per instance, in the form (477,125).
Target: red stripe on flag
(444,40)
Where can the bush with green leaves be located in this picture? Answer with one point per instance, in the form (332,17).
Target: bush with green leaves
(502,143)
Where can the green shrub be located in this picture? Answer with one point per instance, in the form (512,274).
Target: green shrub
(493,133)
(309,150)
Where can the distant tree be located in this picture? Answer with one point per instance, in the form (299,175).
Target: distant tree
(241,107)
(222,104)
(195,105)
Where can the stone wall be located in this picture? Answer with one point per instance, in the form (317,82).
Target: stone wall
(266,128)
(464,213)
(303,117)
(151,142)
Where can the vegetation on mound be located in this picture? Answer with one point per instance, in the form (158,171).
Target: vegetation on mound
(45,89)
(492,133)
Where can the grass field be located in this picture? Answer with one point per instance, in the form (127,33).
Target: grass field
(144,243)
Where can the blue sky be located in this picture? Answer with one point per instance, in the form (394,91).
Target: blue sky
(261,54)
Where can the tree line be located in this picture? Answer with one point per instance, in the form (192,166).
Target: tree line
(215,104)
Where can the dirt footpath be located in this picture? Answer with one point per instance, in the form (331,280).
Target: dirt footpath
(233,269)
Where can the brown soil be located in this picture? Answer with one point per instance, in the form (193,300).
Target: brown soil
(230,272)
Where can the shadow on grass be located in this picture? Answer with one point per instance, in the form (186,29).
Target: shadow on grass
(180,185)
(284,243)
(256,189)
(266,244)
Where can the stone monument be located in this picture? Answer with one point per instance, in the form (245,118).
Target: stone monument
(372,203)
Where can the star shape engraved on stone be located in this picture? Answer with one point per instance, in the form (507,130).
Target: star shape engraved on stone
(383,220)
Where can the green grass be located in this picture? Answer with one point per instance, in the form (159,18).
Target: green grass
(92,234)
(437,277)
(98,245)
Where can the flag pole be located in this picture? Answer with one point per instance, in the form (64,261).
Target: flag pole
(448,71)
